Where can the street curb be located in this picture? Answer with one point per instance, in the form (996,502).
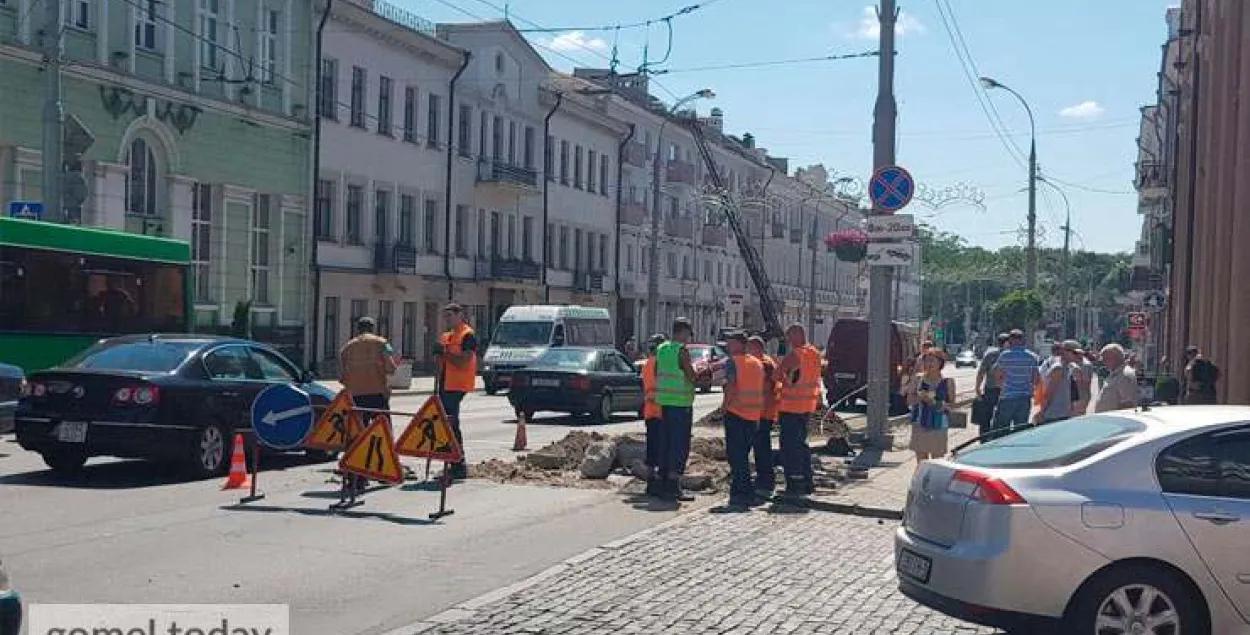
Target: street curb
(852,509)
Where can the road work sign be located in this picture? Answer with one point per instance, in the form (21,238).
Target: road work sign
(337,424)
(429,435)
(372,454)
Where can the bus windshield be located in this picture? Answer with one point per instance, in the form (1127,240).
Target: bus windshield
(519,334)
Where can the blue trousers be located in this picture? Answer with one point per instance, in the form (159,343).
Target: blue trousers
(765,477)
(676,425)
(796,456)
(10,613)
(653,442)
(451,405)
(1012,411)
(739,436)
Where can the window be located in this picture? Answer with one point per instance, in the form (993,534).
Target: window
(577,167)
(330,328)
(603,174)
(202,241)
(79,14)
(564,247)
(481,234)
(465,136)
(564,162)
(494,235)
(272,367)
(549,161)
(529,148)
(146,16)
(672,265)
(499,66)
(1235,465)
(1213,464)
(496,138)
(328,104)
(359,84)
(385,90)
(549,237)
(268,46)
(260,248)
(707,270)
(429,223)
(462,231)
(385,309)
(408,330)
(590,251)
(355,203)
(482,127)
(590,171)
(527,238)
(360,308)
(685,267)
(603,252)
(141,184)
(407,220)
(381,215)
(431,125)
(577,250)
(1054,445)
(155,357)
(511,237)
(210,32)
(629,258)
(231,363)
(324,211)
(410,114)
(511,143)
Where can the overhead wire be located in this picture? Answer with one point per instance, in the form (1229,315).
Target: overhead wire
(770,63)
(963,43)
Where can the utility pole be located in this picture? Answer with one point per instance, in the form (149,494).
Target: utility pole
(1030,274)
(1064,285)
(885,113)
(811,289)
(53,110)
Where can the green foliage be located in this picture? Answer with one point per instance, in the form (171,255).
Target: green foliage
(1018,309)
(241,325)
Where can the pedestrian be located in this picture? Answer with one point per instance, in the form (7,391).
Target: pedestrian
(10,606)
(987,388)
(765,467)
(744,404)
(1082,378)
(365,363)
(631,348)
(456,353)
(1201,376)
(675,378)
(1059,380)
(930,403)
(1120,390)
(651,417)
(800,395)
(1017,374)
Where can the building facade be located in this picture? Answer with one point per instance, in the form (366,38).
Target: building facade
(198,121)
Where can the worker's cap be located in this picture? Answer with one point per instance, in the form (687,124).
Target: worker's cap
(1003,337)
(1191,350)
(657,339)
(366,323)
(1016,334)
(737,336)
(755,339)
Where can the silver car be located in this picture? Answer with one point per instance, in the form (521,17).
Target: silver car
(1129,522)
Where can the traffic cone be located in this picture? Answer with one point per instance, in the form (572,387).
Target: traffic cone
(238,477)
(519,442)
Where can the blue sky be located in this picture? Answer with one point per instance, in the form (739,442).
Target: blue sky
(1085,66)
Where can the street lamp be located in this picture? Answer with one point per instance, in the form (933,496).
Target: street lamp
(653,275)
(1031,254)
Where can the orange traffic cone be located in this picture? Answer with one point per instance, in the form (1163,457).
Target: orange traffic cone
(519,442)
(238,477)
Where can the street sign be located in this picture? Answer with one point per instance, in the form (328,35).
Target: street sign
(372,454)
(335,425)
(890,254)
(26,209)
(429,435)
(282,415)
(895,227)
(891,189)
(1154,301)
(1136,319)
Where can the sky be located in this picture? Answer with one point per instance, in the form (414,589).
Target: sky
(1085,67)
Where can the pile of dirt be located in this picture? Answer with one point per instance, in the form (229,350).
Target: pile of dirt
(520,473)
(817,425)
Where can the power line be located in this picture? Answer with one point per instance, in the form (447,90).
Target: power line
(1087,188)
(952,136)
(963,43)
(801,60)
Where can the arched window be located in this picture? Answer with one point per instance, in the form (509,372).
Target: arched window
(141,186)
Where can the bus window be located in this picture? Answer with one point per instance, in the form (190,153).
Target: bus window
(589,332)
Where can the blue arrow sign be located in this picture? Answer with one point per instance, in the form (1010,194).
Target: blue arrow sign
(282,417)
(891,188)
(26,209)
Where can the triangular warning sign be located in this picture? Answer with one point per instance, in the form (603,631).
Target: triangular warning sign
(336,424)
(429,435)
(372,454)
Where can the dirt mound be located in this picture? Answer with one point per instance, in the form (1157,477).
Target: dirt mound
(817,425)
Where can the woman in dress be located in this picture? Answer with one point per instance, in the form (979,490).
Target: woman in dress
(929,400)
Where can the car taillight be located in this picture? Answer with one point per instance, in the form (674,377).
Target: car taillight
(140,395)
(985,488)
(34,389)
(580,382)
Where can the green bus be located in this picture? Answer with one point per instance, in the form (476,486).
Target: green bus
(65,287)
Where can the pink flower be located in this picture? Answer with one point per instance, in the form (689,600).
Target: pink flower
(844,238)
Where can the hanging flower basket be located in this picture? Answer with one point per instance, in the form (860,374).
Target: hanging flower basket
(849,245)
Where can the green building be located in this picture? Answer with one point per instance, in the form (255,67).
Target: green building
(196,120)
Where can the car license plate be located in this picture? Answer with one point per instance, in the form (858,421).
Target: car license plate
(914,565)
(72,432)
(547,383)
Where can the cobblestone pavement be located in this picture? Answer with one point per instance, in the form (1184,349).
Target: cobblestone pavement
(704,573)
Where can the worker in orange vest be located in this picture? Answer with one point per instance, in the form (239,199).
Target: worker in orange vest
(365,364)
(456,353)
(800,395)
(651,416)
(765,473)
(743,403)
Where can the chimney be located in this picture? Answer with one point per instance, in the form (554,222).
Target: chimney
(717,119)
(748,140)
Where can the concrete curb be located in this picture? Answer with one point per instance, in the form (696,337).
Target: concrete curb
(853,509)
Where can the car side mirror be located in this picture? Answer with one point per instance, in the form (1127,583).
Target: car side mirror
(307,377)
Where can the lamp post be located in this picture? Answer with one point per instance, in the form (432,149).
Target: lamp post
(1030,279)
(653,274)
(1064,286)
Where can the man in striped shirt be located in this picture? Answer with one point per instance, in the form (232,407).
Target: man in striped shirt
(1016,372)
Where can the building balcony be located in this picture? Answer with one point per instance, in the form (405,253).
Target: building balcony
(636,155)
(512,269)
(679,228)
(504,174)
(394,258)
(714,236)
(680,172)
(1152,180)
(634,214)
(588,281)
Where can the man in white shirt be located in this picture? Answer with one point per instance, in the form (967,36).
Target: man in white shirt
(1120,390)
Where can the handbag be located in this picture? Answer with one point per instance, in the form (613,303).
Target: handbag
(957,419)
(982,411)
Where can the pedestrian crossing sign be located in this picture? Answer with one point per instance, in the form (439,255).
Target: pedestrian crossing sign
(372,454)
(337,423)
(430,435)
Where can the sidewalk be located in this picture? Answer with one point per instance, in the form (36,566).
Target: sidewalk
(417,387)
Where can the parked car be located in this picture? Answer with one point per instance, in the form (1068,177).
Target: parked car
(1121,522)
(179,398)
(966,358)
(578,380)
(705,356)
(12,383)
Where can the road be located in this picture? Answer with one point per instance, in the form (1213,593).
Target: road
(131,531)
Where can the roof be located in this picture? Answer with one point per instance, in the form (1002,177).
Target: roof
(447,30)
(177,337)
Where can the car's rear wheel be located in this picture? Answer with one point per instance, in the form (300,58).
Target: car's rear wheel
(65,461)
(209,454)
(603,414)
(1136,599)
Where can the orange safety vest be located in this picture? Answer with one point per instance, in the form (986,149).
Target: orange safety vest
(800,396)
(772,388)
(747,398)
(457,376)
(650,409)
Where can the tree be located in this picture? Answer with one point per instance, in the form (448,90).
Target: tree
(1019,309)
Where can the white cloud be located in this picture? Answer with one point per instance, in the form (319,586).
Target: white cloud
(574,41)
(869,27)
(1084,110)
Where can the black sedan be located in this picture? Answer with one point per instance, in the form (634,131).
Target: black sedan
(12,383)
(576,380)
(178,398)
